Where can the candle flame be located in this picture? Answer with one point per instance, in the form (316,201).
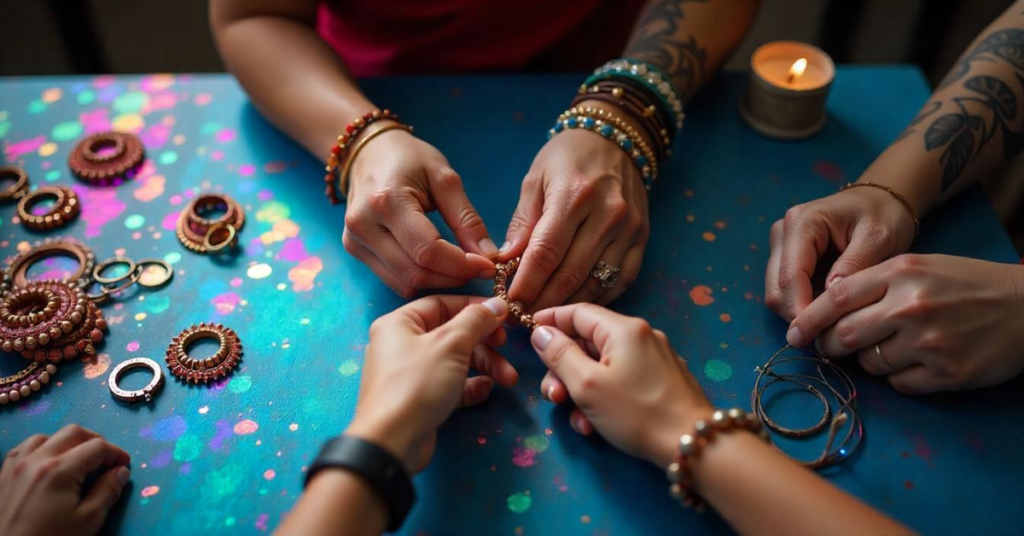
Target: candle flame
(797,70)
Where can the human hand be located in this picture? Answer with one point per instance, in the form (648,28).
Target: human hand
(415,371)
(866,225)
(41,483)
(939,322)
(624,377)
(583,201)
(395,180)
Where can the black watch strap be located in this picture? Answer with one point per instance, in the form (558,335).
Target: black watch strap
(377,466)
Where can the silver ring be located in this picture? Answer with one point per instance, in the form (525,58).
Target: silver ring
(147,392)
(605,274)
(878,350)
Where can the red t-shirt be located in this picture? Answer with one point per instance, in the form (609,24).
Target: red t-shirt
(380,37)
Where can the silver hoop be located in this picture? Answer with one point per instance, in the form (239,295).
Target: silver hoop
(147,392)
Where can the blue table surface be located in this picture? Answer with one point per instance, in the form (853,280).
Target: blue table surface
(229,458)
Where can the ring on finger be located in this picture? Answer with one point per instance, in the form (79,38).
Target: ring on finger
(606,274)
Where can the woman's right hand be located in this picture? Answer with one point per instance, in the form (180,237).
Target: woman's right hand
(395,180)
(625,378)
(866,225)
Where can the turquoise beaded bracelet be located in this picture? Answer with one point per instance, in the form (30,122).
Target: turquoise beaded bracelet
(611,133)
(650,76)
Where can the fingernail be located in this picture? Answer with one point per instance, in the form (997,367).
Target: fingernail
(505,247)
(794,337)
(551,393)
(835,280)
(541,337)
(487,273)
(123,474)
(496,306)
(576,422)
(487,247)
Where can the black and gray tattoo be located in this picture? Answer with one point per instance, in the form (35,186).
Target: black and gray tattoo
(656,41)
(987,108)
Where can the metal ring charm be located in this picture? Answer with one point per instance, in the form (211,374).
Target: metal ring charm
(147,392)
(65,208)
(90,150)
(97,272)
(90,166)
(154,281)
(204,370)
(106,292)
(223,244)
(19,188)
(17,266)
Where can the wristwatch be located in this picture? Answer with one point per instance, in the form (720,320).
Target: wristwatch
(377,466)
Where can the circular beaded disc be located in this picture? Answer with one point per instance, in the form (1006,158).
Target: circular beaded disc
(66,208)
(212,368)
(90,164)
(19,188)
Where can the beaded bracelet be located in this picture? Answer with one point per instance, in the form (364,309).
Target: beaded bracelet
(899,197)
(651,76)
(660,144)
(352,130)
(613,128)
(679,472)
(628,96)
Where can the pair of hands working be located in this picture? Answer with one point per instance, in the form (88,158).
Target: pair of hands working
(582,201)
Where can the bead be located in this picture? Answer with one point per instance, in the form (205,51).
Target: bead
(35,385)
(44,378)
(358,122)
(654,79)
(349,128)
(617,92)
(627,144)
(559,126)
(687,445)
(676,491)
(7,346)
(703,430)
(19,345)
(588,122)
(44,339)
(641,161)
(571,122)
(31,342)
(737,416)
(4,399)
(15,395)
(25,391)
(607,131)
(720,420)
(674,472)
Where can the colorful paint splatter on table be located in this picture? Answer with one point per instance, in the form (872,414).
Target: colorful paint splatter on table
(229,458)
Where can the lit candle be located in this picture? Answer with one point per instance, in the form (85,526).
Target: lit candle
(788,87)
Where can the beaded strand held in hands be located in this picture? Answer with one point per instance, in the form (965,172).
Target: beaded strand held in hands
(501,277)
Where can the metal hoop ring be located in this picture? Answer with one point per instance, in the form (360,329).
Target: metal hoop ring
(155,282)
(97,272)
(147,392)
(220,246)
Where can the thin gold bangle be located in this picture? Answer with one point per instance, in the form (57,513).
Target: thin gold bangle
(894,193)
(343,178)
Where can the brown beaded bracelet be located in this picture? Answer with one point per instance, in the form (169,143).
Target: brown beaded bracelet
(679,472)
(646,111)
(338,152)
(515,309)
(894,193)
(659,143)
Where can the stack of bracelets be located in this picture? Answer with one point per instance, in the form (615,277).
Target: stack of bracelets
(348,145)
(642,93)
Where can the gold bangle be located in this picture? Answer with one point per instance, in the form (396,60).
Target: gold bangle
(343,178)
(894,193)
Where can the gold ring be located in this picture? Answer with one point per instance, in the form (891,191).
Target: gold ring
(220,246)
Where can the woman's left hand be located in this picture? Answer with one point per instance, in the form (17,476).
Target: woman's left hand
(928,322)
(583,201)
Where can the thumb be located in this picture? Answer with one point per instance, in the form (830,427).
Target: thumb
(473,324)
(459,214)
(870,245)
(102,496)
(565,358)
(524,219)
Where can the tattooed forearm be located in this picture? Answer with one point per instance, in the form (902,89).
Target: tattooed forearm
(925,113)
(1007,44)
(987,107)
(658,39)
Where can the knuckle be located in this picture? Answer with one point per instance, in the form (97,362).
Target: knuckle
(518,222)
(931,341)
(426,254)
(617,210)
(638,328)
(660,336)
(882,235)
(907,264)
(23,466)
(379,327)
(469,218)
(568,280)
(350,243)
(448,178)
(589,380)
(839,293)
(793,214)
(545,255)
(777,228)
(416,277)
(918,305)
(44,470)
(74,430)
(380,201)
(356,219)
(868,364)
(846,334)
(773,300)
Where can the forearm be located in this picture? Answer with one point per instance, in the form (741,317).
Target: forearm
(973,122)
(758,490)
(690,39)
(290,74)
(336,502)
